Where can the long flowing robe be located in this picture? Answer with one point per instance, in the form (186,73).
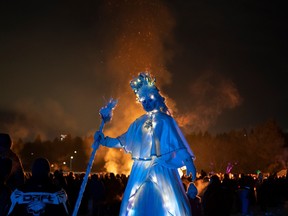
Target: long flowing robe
(158,149)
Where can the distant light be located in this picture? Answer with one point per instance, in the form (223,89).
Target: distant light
(64,162)
(52,165)
(75,152)
(63,136)
(32,153)
(71,157)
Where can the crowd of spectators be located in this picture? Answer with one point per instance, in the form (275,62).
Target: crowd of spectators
(243,194)
(209,194)
(212,194)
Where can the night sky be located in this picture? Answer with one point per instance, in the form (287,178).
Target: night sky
(220,64)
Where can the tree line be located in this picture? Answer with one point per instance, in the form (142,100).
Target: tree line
(263,147)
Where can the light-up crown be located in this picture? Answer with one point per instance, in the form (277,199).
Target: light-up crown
(144,85)
(144,80)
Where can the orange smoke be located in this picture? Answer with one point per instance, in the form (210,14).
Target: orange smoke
(34,118)
(211,94)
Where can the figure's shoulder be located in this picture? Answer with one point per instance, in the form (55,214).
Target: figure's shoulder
(138,121)
(163,116)
(140,118)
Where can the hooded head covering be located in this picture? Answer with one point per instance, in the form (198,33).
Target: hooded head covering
(41,168)
(5,141)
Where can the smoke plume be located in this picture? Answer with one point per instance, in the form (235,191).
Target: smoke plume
(31,118)
(135,43)
(211,95)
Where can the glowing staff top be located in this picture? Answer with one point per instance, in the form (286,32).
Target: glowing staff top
(106,111)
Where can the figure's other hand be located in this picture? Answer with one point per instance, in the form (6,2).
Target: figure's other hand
(99,137)
(190,168)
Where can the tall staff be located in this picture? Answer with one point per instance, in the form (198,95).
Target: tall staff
(106,115)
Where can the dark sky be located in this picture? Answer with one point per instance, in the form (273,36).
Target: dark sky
(220,64)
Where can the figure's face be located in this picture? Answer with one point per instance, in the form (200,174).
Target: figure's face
(149,103)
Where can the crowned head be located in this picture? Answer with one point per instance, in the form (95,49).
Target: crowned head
(147,93)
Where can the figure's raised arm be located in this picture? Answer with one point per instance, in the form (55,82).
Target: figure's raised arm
(107,141)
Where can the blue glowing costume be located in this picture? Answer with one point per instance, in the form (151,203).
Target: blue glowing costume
(158,149)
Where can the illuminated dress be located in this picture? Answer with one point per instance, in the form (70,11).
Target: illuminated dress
(158,149)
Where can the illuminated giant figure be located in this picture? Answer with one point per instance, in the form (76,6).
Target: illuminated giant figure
(158,149)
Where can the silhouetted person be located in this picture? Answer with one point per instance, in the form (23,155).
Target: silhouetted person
(59,179)
(202,174)
(246,194)
(16,176)
(194,200)
(268,194)
(213,198)
(98,194)
(5,191)
(39,196)
(84,206)
(72,188)
(114,191)
(228,187)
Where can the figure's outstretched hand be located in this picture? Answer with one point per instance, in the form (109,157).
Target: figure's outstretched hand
(190,168)
(98,139)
